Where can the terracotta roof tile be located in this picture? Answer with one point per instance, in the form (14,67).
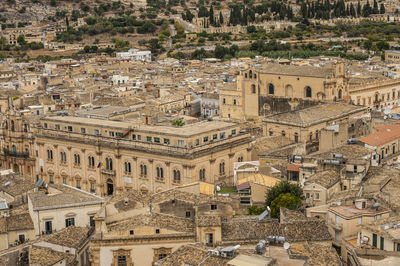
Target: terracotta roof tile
(384,135)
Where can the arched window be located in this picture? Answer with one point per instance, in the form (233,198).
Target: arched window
(283,133)
(12,125)
(143,170)
(49,154)
(14,149)
(234,101)
(160,173)
(223,101)
(222,168)
(340,94)
(202,174)
(128,168)
(245,75)
(271,89)
(91,161)
(177,176)
(240,159)
(109,164)
(308,92)
(77,159)
(296,137)
(250,74)
(63,156)
(253,88)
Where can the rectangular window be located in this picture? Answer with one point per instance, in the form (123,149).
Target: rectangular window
(157,231)
(83,130)
(166,141)
(96,132)
(57,127)
(222,135)
(45,125)
(205,139)
(91,221)
(133,137)
(197,142)
(69,222)
(213,207)
(181,143)
(359,220)
(307,195)
(233,131)
(215,136)
(70,128)
(51,181)
(78,184)
(187,214)
(122,261)
(111,133)
(382,240)
(118,134)
(139,137)
(48,227)
(92,188)
(316,195)
(148,139)
(156,140)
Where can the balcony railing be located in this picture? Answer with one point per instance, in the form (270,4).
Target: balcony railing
(108,172)
(7,152)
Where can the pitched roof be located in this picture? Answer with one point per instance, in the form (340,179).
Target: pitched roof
(261,179)
(314,114)
(326,178)
(192,255)
(316,253)
(47,256)
(292,70)
(72,236)
(384,134)
(182,225)
(62,196)
(250,229)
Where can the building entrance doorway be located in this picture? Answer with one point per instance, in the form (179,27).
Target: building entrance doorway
(110,187)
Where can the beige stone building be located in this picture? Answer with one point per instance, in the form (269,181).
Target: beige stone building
(344,220)
(273,87)
(306,124)
(61,206)
(104,157)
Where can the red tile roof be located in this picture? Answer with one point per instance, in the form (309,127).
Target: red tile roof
(384,135)
(293,167)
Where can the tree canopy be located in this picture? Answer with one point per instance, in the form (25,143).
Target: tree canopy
(283,187)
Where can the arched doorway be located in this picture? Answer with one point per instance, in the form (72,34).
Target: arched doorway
(110,187)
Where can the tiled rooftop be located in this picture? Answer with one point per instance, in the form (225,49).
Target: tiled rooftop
(72,237)
(325,178)
(46,256)
(315,114)
(182,225)
(62,195)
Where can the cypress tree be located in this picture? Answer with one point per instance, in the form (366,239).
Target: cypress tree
(221,18)
(211,15)
(375,10)
(383,10)
(358,8)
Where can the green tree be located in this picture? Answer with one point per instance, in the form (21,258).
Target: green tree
(383,10)
(287,200)
(221,18)
(375,9)
(211,15)
(367,45)
(178,123)
(21,40)
(283,187)
(382,45)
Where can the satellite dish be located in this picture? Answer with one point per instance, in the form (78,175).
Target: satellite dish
(269,209)
(286,245)
(218,188)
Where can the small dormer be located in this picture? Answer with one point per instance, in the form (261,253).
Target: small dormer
(361,204)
